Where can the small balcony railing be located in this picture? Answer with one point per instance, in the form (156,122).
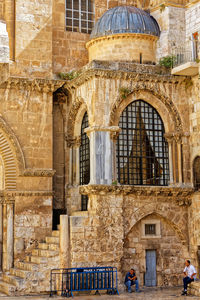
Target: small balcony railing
(182,56)
(185,62)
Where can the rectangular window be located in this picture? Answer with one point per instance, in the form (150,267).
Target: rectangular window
(79,15)
(150,229)
(195,41)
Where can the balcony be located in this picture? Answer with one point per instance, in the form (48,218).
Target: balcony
(185,63)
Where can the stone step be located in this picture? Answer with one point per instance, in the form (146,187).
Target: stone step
(28,258)
(43,246)
(26,266)
(7,288)
(52,240)
(54,247)
(39,260)
(19,272)
(44,253)
(56,233)
(13,280)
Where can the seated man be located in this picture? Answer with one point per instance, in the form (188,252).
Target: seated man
(131,279)
(190,275)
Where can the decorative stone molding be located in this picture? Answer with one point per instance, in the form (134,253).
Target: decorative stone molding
(143,87)
(10,196)
(182,195)
(121,36)
(38,173)
(124,70)
(39,85)
(72,117)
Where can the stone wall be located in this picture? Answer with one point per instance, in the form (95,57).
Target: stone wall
(110,233)
(172,25)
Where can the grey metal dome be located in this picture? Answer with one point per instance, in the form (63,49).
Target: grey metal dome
(125,19)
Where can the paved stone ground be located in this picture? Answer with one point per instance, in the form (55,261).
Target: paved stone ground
(146,294)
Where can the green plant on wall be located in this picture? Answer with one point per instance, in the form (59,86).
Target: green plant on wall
(167,61)
(69,76)
(124,92)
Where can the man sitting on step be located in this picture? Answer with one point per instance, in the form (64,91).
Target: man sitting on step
(190,275)
(130,280)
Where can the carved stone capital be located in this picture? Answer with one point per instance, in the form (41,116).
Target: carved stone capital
(73,141)
(114,130)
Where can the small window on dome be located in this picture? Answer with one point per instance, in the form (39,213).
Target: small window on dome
(79,15)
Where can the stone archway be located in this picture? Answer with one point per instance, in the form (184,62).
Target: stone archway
(160,102)
(166,243)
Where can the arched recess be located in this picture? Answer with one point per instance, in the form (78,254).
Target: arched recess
(196,172)
(165,107)
(157,210)
(12,156)
(164,241)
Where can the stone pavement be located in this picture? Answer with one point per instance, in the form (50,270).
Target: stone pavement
(146,294)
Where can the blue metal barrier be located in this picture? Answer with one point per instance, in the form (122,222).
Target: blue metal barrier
(67,281)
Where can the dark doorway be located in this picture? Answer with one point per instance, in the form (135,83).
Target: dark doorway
(56,217)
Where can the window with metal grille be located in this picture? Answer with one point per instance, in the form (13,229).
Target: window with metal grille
(142,151)
(84,160)
(150,229)
(79,15)
(196,173)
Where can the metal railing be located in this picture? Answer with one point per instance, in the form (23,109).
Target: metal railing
(181,56)
(67,281)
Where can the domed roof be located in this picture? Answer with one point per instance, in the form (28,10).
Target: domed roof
(125,19)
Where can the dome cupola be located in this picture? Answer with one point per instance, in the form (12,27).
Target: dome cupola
(125,19)
(124,33)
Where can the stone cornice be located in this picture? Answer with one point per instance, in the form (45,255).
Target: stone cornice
(123,70)
(181,194)
(38,84)
(121,36)
(38,173)
(9,196)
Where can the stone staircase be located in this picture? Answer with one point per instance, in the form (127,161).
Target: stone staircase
(32,275)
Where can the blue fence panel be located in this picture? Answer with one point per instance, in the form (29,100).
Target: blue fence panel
(72,280)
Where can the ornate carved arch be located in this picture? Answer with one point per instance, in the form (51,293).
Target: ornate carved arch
(148,210)
(76,106)
(12,155)
(164,99)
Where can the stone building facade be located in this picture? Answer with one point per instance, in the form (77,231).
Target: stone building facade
(97,136)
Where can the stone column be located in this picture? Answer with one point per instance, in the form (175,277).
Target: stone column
(10,236)
(170,139)
(64,241)
(1,234)
(73,145)
(179,150)
(4,254)
(101,153)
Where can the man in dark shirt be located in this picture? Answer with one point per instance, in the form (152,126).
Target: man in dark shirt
(130,280)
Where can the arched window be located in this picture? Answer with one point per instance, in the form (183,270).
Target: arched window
(196,173)
(79,15)
(142,152)
(84,160)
